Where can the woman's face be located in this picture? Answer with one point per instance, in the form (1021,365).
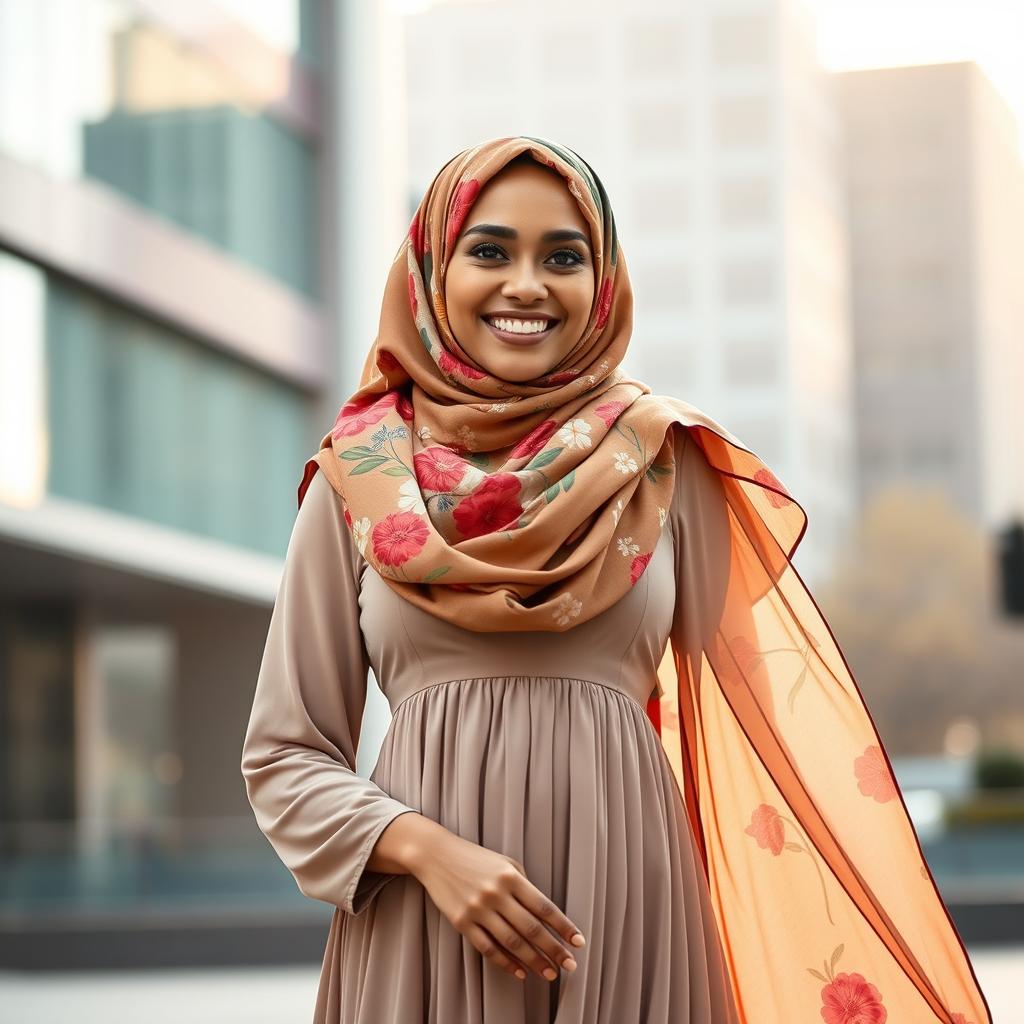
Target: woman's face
(523,255)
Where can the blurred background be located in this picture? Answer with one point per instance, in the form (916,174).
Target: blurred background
(822,205)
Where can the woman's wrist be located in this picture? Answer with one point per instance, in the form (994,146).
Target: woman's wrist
(403,847)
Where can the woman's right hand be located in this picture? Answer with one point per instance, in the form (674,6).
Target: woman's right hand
(488,898)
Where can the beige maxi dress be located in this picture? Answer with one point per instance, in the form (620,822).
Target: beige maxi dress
(536,745)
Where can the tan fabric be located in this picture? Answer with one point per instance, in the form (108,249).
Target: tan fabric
(825,906)
(533,744)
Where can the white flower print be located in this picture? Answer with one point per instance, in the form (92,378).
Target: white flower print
(627,547)
(360,531)
(575,434)
(625,463)
(411,499)
(466,436)
(423,433)
(662,515)
(566,607)
(617,511)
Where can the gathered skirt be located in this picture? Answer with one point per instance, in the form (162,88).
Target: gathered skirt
(569,777)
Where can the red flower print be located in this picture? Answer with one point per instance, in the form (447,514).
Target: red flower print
(404,408)
(637,566)
(438,468)
(851,999)
(562,377)
(412,294)
(347,514)
(490,507)
(416,235)
(463,198)
(610,411)
(386,361)
(449,364)
(873,775)
(959,1018)
(399,536)
(534,440)
(604,303)
(360,413)
(766,478)
(766,827)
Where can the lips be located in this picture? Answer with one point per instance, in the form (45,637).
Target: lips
(521,339)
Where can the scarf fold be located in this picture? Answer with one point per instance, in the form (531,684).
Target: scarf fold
(498,506)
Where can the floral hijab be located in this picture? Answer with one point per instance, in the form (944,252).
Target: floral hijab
(494,505)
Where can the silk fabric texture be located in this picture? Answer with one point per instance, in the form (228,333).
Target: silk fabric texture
(505,506)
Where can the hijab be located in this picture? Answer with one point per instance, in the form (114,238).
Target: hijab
(495,505)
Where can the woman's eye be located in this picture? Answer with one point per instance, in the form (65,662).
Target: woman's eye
(479,250)
(568,252)
(485,247)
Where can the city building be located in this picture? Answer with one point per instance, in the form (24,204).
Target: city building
(936,206)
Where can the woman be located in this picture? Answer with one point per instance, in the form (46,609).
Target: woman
(628,777)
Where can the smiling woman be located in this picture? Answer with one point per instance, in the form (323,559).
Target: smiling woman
(628,775)
(520,283)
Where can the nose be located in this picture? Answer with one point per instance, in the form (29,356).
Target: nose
(524,283)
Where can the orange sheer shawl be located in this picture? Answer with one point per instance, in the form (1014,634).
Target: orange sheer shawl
(823,897)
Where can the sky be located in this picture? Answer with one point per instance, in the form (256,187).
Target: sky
(878,33)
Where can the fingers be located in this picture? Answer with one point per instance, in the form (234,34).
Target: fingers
(537,904)
(528,940)
(492,950)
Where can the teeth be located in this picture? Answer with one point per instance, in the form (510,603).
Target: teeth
(520,326)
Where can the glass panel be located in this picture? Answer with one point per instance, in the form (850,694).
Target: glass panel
(120,100)
(138,418)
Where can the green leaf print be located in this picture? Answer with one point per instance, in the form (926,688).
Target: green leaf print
(396,471)
(367,464)
(435,573)
(551,493)
(361,451)
(543,458)
(567,480)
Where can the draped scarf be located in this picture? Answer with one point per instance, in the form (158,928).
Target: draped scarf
(503,506)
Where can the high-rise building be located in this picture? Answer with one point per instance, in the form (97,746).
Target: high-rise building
(936,201)
(714,130)
(183,206)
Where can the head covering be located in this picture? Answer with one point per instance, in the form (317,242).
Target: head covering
(494,505)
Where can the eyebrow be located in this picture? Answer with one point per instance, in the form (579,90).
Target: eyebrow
(557,235)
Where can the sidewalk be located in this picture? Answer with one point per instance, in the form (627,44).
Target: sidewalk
(284,995)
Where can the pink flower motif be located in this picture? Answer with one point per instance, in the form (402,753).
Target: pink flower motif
(610,412)
(873,775)
(534,440)
(604,303)
(399,536)
(360,413)
(449,364)
(462,199)
(766,827)
(851,999)
(412,294)
(438,468)
(767,478)
(416,236)
(492,506)
(637,566)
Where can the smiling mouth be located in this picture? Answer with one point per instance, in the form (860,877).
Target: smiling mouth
(521,338)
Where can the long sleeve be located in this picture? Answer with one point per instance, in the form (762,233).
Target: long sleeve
(299,752)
